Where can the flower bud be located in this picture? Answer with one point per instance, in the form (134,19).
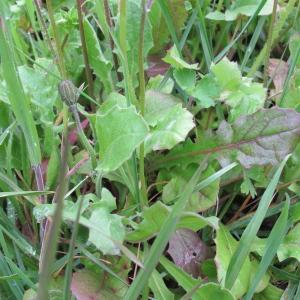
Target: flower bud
(69,93)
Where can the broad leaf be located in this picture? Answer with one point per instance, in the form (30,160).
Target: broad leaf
(178,177)
(119,132)
(240,93)
(188,251)
(262,138)
(91,285)
(241,7)
(110,225)
(170,130)
(153,219)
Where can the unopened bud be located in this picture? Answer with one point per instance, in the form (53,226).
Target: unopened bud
(69,93)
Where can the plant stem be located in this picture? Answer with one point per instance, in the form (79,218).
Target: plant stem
(60,58)
(44,27)
(68,274)
(110,24)
(269,42)
(88,72)
(83,138)
(52,230)
(142,100)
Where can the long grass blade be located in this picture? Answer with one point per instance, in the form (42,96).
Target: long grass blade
(273,242)
(250,232)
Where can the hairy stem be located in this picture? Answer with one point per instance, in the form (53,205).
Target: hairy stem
(142,99)
(88,72)
(52,232)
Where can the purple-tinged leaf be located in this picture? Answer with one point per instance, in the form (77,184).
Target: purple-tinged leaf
(188,251)
(262,138)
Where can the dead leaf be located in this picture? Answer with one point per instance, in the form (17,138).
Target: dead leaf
(278,70)
(188,251)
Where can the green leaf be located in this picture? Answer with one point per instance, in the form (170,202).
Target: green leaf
(271,292)
(133,16)
(157,105)
(41,85)
(240,93)
(110,225)
(85,285)
(182,278)
(159,288)
(154,216)
(226,245)
(160,31)
(17,97)
(170,130)
(241,7)
(173,58)
(206,92)
(273,242)
(186,78)
(213,291)
(221,71)
(178,177)
(119,132)
(240,255)
(290,245)
(101,66)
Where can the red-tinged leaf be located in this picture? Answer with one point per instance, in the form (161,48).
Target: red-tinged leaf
(262,138)
(156,66)
(188,251)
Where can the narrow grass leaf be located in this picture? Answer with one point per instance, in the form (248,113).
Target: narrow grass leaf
(250,232)
(273,242)
(17,97)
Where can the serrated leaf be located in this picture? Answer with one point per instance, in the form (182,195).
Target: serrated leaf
(154,216)
(221,71)
(173,58)
(119,132)
(262,138)
(170,130)
(240,93)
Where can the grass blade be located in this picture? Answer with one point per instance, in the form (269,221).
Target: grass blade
(273,242)
(251,230)
(16,95)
